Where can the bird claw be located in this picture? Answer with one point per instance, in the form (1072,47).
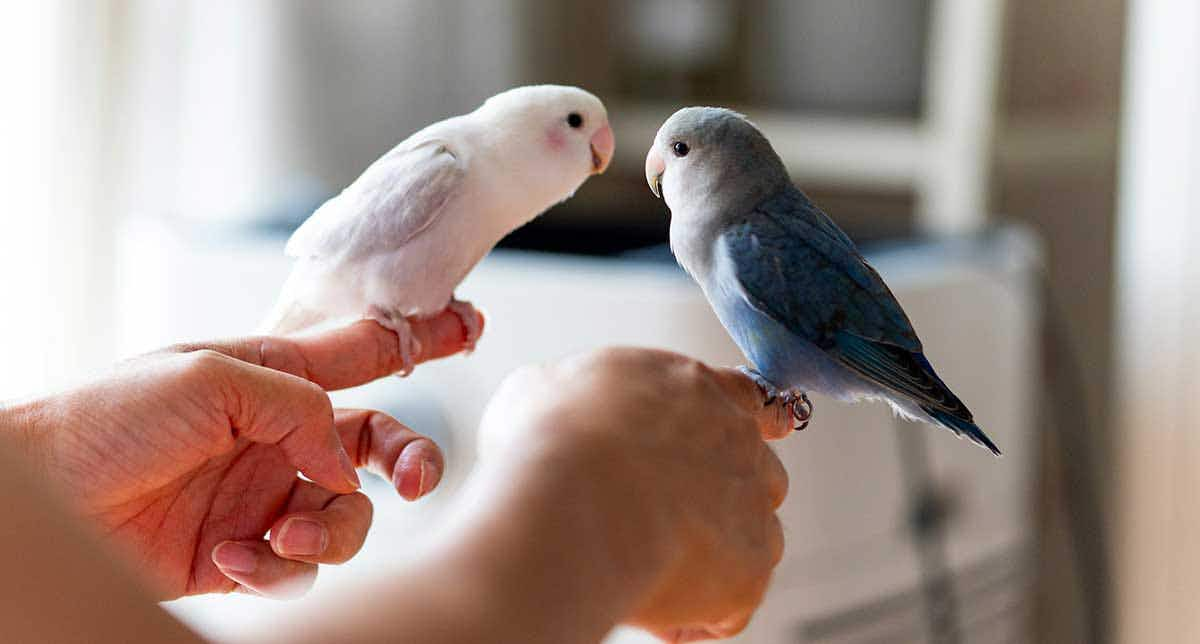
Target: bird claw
(800,406)
(794,400)
(469,317)
(410,346)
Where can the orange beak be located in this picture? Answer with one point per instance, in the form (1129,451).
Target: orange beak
(655,167)
(603,145)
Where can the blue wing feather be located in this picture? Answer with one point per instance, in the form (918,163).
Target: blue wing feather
(797,267)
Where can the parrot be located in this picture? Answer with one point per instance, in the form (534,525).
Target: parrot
(789,286)
(395,243)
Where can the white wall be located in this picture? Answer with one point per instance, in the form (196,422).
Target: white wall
(54,228)
(1158,318)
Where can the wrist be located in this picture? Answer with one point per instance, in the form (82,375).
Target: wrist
(550,548)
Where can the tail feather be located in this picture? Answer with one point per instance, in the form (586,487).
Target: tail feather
(289,317)
(291,313)
(962,427)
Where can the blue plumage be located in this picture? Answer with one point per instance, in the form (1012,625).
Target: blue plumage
(791,288)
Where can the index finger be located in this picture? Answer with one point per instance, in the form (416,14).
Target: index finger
(344,357)
(774,421)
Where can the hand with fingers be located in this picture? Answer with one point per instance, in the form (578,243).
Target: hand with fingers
(688,481)
(186,458)
(624,486)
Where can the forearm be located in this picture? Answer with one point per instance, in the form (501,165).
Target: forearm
(56,583)
(540,563)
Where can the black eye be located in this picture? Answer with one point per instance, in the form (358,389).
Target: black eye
(575,120)
(680,148)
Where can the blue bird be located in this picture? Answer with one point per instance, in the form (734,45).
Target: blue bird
(788,285)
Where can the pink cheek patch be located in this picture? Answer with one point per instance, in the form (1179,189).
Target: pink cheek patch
(556,139)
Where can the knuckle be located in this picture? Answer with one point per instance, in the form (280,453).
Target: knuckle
(609,358)
(179,347)
(316,397)
(349,535)
(357,504)
(775,541)
(519,380)
(292,582)
(201,362)
(732,626)
(205,358)
(281,354)
(780,491)
(755,588)
(307,401)
(642,358)
(359,511)
(702,370)
(313,389)
(695,373)
(776,475)
(526,372)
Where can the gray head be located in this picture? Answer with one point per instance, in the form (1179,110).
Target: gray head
(702,153)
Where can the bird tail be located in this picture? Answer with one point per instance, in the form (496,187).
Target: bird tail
(288,317)
(962,427)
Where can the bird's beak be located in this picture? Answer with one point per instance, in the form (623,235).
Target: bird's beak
(655,167)
(603,145)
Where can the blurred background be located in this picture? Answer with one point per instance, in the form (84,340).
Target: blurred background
(1024,174)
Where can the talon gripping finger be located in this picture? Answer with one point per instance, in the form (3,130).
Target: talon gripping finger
(802,409)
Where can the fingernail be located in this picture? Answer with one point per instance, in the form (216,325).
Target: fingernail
(302,537)
(235,557)
(415,482)
(430,474)
(348,469)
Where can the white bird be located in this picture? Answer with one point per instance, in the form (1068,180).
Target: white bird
(396,243)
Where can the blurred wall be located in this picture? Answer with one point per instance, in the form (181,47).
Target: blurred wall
(236,108)
(1055,166)
(1158,446)
(55,229)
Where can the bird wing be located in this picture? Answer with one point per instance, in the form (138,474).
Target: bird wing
(796,266)
(395,199)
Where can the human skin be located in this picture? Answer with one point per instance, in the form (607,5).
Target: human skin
(184,458)
(626,486)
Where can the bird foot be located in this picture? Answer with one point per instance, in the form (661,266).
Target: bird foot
(469,316)
(801,407)
(770,391)
(794,400)
(410,346)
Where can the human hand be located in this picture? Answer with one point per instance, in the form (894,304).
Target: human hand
(667,455)
(185,458)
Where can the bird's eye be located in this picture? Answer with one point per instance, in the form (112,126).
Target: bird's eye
(680,148)
(575,120)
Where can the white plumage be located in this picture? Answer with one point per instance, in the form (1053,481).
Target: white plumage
(396,243)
